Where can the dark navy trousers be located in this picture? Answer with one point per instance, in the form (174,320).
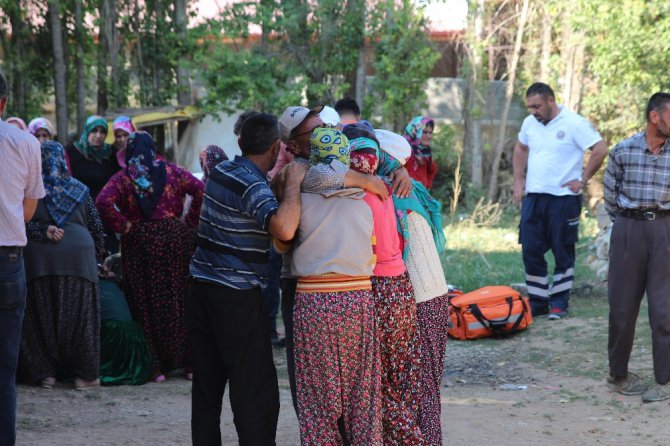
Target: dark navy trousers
(549,222)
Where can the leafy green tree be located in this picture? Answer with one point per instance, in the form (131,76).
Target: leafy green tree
(404,59)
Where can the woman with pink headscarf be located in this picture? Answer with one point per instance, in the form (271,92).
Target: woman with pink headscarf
(42,129)
(122,127)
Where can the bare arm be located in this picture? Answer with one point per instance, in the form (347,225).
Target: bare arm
(519,163)
(284,223)
(370,183)
(29,206)
(598,153)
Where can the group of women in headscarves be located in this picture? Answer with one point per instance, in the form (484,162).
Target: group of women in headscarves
(86,318)
(371,305)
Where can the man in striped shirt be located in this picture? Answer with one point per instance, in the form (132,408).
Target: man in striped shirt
(637,197)
(227,316)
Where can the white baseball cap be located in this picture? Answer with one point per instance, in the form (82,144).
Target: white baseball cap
(393,144)
(292,118)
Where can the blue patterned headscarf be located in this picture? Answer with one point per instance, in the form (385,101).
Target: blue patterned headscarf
(148,175)
(63,193)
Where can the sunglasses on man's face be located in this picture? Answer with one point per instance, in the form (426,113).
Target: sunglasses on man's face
(309,132)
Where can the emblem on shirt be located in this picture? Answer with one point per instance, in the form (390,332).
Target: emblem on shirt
(560,134)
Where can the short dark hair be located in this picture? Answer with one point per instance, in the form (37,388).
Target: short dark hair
(347,105)
(240,120)
(258,133)
(3,87)
(657,102)
(543,90)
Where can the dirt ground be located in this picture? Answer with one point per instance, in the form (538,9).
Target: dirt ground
(493,393)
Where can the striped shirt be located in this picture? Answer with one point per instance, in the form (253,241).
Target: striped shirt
(233,239)
(636,178)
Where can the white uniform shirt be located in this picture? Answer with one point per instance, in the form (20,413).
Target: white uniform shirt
(556,151)
(20,177)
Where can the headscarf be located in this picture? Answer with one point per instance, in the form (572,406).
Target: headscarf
(124,123)
(364,155)
(63,193)
(413,133)
(327,145)
(41,123)
(210,156)
(148,175)
(19,121)
(98,154)
(419,201)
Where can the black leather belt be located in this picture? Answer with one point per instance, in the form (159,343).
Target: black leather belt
(8,250)
(638,214)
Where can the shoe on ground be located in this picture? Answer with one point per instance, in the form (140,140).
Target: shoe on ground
(556,314)
(48,383)
(630,385)
(538,312)
(160,378)
(658,392)
(86,384)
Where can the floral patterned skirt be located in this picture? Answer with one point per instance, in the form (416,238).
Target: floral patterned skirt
(61,329)
(337,368)
(433,317)
(401,359)
(155,256)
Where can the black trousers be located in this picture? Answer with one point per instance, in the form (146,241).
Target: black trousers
(230,343)
(288,287)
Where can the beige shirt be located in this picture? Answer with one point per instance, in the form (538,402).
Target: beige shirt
(335,235)
(20,177)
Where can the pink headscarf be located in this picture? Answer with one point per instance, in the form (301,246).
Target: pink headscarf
(41,123)
(19,121)
(210,156)
(124,123)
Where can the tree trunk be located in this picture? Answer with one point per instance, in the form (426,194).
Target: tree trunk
(360,77)
(138,50)
(183,76)
(545,56)
(509,93)
(14,50)
(81,91)
(103,56)
(114,46)
(473,111)
(60,84)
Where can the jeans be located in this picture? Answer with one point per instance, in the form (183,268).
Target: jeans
(12,304)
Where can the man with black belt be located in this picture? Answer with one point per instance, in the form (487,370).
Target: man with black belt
(547,161)
(21,173)
(637,197)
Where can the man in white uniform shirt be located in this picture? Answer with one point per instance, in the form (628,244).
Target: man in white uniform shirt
(21,173)
(548,160)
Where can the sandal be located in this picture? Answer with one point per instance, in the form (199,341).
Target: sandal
(85,384)
(48,383)
(658,392)
(159,378)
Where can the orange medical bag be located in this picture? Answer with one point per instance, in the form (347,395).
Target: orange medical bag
(488,311)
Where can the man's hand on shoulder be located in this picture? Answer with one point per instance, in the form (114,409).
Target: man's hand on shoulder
(401,182)
(295,173)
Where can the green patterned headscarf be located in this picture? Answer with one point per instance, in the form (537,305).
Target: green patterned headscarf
(91,152)
(328,144)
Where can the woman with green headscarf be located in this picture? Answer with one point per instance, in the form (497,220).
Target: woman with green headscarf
(90,159)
